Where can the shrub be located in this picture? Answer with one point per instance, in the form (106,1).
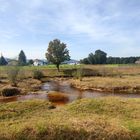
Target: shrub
(10,91)
(37,74)
(78,74)
(12,74)
(22,74)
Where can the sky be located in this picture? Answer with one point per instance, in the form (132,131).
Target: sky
(84,25)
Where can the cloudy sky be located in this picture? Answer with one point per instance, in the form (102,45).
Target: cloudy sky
(84,25)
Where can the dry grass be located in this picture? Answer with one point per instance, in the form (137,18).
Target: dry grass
(105,118)
(25,85)
(126,83)
(29,85)
(114,70)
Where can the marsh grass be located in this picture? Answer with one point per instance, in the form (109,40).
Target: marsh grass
(128,84)
(104,118)
(12,74)
(37,74)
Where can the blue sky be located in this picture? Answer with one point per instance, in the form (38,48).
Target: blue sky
(84,25)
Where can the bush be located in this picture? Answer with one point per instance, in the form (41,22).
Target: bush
(10,91)
(78,74)
(37,74)
(12,74)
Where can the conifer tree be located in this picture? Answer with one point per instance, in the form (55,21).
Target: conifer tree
(22,58)
(3,61)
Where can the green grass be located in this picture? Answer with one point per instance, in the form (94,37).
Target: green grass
(48,70)
(88,70)
(104,118)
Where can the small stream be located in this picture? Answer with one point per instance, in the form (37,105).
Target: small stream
(64,87)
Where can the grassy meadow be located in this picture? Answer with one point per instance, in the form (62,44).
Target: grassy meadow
(106,118)
(87,70)
(103,118)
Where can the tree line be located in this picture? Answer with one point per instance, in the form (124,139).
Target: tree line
(57,53)
(100,57)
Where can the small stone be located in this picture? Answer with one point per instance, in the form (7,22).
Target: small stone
(51,107)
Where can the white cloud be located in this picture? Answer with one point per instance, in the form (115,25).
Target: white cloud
(101,22)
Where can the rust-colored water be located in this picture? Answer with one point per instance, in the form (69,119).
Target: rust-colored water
(64,87)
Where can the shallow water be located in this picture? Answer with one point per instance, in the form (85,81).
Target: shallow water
(64,87)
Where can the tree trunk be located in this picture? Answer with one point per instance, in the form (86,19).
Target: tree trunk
(58,67)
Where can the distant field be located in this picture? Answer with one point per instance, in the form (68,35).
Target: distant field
(87,70)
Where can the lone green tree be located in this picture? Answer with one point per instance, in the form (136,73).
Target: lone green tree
(22,58)
(57,52)
(3,61)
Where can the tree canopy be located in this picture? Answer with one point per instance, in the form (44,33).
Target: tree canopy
(57,52)
(3,61)
(100,57)
(22,58)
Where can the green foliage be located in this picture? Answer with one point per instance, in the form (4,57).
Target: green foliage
(3,61)
(22,58)
(30,62)
(37,74)
(12,74)
(84,61)
(122,60)
(91,58)
(10,91)
(99,57)
(57,52)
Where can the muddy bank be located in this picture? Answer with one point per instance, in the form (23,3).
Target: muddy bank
(124,89)
(26,86)
(110,85)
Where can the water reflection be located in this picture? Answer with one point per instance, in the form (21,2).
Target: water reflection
(65,88)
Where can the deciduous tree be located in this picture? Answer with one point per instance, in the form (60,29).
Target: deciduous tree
(57,52)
